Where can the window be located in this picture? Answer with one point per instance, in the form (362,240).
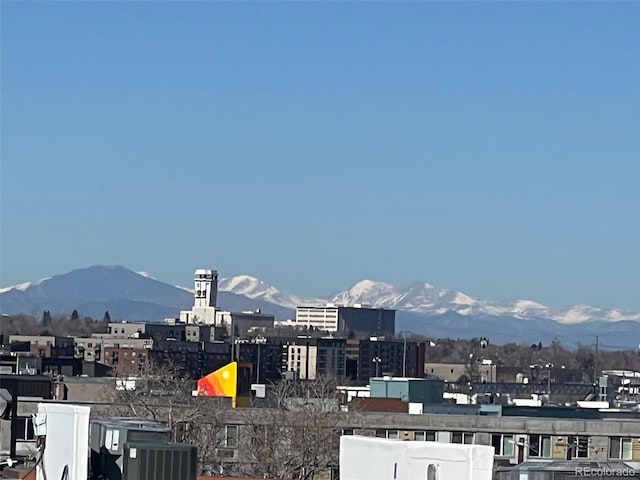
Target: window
(25,429)
(540,446)
(503,445)
(422,436)
(578,447)
(381,433)
(620,448)
(392,434)
(462,437)
(347,431)
(231,436)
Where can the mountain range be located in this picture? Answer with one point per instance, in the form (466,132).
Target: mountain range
(423,298)
(421,307)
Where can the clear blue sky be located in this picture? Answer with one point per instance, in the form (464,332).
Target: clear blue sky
(488,147)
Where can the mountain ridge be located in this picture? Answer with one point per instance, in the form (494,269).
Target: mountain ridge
(421,307)
(424,298)
(127,295)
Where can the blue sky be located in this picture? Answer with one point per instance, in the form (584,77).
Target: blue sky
(487,147)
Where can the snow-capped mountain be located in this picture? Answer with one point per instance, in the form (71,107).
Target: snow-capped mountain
(23,286)
(423,298)
(421,307)
(253,287)
(125,294)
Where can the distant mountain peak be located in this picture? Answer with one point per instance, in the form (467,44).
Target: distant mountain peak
(245,282)
(368,286)
(23,286)
(253,287)
(126,294)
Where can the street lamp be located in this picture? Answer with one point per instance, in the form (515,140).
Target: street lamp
(377,361)
(404,352)
(549,366)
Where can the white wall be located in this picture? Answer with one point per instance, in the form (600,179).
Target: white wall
(67,440)
(381,459)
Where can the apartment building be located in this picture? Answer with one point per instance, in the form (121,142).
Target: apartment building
(516,439)
(93,349)
(308,358)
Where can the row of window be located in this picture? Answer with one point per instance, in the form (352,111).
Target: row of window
(537,446)
(421,435)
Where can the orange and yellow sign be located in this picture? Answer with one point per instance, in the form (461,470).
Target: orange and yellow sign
(224,383)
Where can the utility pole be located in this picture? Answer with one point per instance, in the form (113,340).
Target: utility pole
(404,356)
(258,365)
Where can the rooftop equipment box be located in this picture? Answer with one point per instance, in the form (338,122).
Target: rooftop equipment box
(173,461)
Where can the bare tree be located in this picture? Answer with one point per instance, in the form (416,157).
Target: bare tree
(299,436)
(157,391)
(163,392)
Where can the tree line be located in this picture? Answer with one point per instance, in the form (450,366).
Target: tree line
(73,325)
(523,355)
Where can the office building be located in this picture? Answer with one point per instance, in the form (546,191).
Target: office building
(398,358)
(308,358)
(358,321)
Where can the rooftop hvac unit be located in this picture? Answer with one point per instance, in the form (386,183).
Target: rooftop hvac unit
(110,434)
(138,449)
(173,461)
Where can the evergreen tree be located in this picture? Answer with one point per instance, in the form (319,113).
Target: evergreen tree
(107,317)
(46,318)
(75,315)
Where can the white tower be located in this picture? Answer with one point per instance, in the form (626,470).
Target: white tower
(206,288)
(205,296)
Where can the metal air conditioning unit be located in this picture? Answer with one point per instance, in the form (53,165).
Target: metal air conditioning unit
(172,461)
(138,449)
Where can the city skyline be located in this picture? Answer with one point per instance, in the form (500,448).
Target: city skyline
(489,148)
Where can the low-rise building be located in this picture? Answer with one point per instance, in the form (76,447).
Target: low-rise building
(47,345)
(453,372)
(411,390)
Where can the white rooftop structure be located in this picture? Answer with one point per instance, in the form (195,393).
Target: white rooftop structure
(383,459)
(205,297)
